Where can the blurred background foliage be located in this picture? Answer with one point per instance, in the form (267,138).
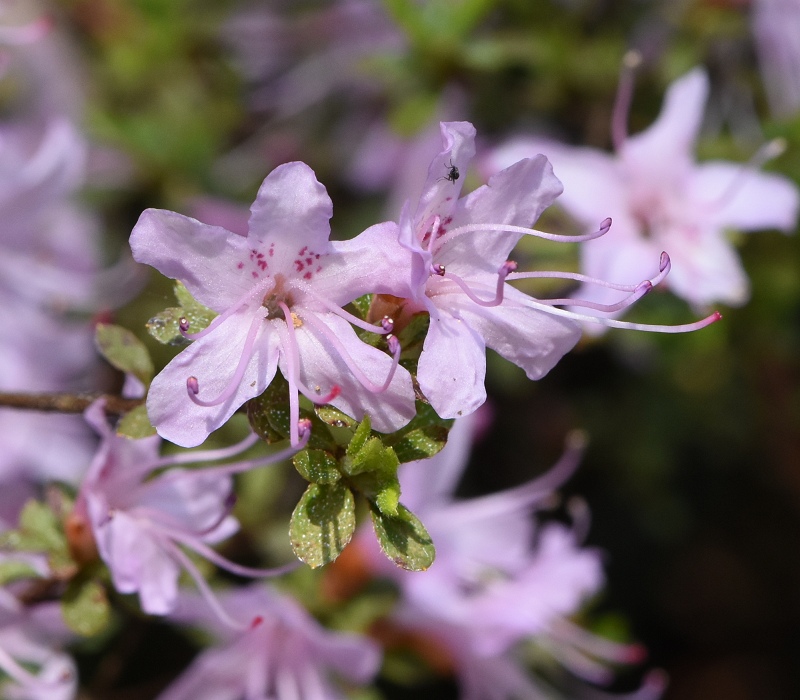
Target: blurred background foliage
(692,476)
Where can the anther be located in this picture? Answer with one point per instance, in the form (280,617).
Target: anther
(258,620)
(183,324)
(394,344)
(304,429)
(437,269)
(387,324)
(193,386)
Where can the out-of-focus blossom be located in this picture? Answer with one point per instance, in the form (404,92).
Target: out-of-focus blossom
(285,653)
(27,642)
(776,26)
(279,293)
(478,600)
(661,200)
(138,520)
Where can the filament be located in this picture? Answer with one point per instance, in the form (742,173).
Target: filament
(622,102)
(338,310)
(258,289)
(502,273)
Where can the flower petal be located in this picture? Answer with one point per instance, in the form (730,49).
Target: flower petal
(213,360)
(322,365)
(452,366)
(530,338)
(292,211)
(205,258)
(744,199)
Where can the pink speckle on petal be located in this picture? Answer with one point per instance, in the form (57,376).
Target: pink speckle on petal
(307,276)
(240,266)
(255,274)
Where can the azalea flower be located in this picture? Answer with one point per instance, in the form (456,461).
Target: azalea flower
(138,522)
(661,200)
(279,292)
(478,602)
(459,264)
(284,653)
(27,641)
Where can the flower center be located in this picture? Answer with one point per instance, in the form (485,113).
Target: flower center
(279,294)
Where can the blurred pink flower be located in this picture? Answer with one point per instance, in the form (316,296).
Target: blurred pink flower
(284,653)
(661,200)
(776,26)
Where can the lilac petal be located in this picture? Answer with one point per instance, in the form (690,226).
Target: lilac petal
(452,366)
(321,365)
(440,194)
(744,199)
(593,186)
(530,338)
(517,196)
(213,360)
(372,262)
(205,258)
(705,269)
(292,211)
(667,145)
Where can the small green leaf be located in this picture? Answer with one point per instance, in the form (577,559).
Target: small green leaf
(359,437)
(423,437)
(15,569)
(135,424)
(372,457)
(403,538)
(40,531)
(317,466)
(124,351)
(85,607)
(322,523)
(165,326)
(333,416)
(362,304)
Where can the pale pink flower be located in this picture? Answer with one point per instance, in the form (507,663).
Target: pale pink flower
(284,653)
(660,199)
(285,269)
(776,26)
(140,521)
(459,264)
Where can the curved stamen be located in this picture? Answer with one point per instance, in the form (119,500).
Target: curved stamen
(205,455)
(613,323)
(338,310)
(525,495)
(205,589)
(665,264)
(348,360)
(605,225)
(581,665)
(641,289)
(259,290)
(25,678)
(502,273)
(193,386)
(613,652)
(622,101)
(223,563)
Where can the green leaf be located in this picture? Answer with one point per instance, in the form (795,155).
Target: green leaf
(85,607)
(135,424)
(403,538)
(40,531)
(333,416)
(322,523)
(359,437)
(317,466)
(15,569)
(362,304)
(422,438)
(372,457)
(165,326)
(124,351)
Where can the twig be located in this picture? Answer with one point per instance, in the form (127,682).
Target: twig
(67,403)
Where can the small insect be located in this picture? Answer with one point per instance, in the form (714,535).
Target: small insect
(452,173)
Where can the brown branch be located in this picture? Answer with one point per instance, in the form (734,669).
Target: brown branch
(67,403)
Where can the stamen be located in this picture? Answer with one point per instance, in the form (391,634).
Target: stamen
(435,228)
(605,225)
(599,647)
(622,102)
(641,289)
(351,365)
(525,495)
(205,589)
(437,269)
(21,675)
(206,455)
(193,386)
(338,310)
(613,323)
(387,324)
(259,290)
(502,273)
(293,371)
